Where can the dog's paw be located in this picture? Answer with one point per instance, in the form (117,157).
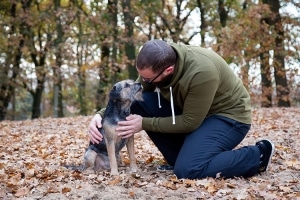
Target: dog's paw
(114,173)
(136,175)
(133,169)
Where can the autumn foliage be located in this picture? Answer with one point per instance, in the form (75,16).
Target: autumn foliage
(33,155)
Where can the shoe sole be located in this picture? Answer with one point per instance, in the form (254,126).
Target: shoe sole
(164,168)
(271,155)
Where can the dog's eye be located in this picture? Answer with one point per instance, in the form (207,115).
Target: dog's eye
(127,85)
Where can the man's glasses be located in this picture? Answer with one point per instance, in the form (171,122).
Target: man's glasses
(147,80)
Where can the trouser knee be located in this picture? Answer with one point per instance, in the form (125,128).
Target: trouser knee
(185,172)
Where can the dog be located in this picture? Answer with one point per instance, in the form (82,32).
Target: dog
(105,154)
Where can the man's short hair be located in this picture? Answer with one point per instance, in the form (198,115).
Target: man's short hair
(156,54)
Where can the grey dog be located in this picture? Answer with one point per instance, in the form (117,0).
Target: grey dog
(105,154)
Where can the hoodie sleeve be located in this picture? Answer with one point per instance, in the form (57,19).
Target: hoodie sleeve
(201,92)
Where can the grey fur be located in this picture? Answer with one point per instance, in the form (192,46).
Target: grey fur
(122,95)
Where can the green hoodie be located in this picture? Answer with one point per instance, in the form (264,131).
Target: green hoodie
(202,85)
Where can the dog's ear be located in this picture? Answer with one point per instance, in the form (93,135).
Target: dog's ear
(114,93)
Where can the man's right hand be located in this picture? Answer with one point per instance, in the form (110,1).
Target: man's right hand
(95,135)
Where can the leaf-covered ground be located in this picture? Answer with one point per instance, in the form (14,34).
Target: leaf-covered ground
(33,154)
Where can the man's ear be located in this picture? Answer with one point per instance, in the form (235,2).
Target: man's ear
(170,69)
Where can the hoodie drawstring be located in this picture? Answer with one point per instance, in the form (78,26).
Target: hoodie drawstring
(158,97)
(171,100)
(172,105)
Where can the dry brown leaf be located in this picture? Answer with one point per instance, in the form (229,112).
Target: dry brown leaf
(52,189)
(285,189)
(66,190)
(131,194)
(41,146)
(22,192)
(115,180)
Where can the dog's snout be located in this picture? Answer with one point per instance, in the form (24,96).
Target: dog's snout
(138,85)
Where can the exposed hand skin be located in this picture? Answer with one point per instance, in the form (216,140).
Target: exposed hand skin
(95,135)
(132,125)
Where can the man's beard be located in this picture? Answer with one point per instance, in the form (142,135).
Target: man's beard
(163,83)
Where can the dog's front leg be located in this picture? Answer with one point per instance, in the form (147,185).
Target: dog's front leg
(112,158)
(130,149)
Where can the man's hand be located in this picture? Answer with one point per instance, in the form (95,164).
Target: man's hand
(95,135)
(132,125)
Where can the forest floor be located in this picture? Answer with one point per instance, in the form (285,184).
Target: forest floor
(33,153)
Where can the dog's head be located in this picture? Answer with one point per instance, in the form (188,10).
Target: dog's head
(126,90)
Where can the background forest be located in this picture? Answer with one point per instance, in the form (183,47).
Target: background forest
(60,57)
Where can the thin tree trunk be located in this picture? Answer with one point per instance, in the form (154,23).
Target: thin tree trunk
(58,97)
(203,22)
(37,99)
(113,12)
(266,84)
(129,41)
(81,70)
(246,67)
(104,77)
(223,13)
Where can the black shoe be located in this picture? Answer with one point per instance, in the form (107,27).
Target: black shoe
(165,167)
(266,148)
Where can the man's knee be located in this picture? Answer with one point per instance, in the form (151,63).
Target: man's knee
(185,170)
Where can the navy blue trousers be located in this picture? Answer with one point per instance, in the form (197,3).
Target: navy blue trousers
(208,151)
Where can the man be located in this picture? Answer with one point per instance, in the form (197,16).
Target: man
(195,110)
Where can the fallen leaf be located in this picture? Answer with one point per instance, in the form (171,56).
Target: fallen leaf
(22,192)
(66,190)
(115,180)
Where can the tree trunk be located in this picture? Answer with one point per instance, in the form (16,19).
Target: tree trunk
(245,76)
(58,97)
(81,70)
(38,57)
(266,84)
(203,21)
(82,93)
(129,42)
(282,89)
(41,78)
(108,68)
(246,67)
(223,13)
(104,76)
(37,99)
(113,16)
(7,86)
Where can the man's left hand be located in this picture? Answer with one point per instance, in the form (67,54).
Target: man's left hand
(132,125)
